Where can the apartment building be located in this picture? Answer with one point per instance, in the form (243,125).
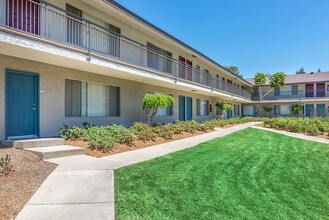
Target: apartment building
(309,90)
(75,61)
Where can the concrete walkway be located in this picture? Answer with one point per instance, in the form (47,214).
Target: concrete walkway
(82,187)
(295,135)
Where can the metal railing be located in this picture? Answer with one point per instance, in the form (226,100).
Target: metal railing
(314,112)
(51,22)
(273,95)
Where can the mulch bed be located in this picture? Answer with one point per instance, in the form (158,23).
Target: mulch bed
(124,147)
(16,188)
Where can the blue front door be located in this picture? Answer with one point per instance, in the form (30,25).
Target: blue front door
(21,104)
(309,110)
(229,114)
(182,108)
(321,110)
(189,108)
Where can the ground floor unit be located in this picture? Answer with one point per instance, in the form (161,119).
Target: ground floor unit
(312,108)
(37,99)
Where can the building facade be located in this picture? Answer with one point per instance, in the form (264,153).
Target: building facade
(75,61)
(311,91)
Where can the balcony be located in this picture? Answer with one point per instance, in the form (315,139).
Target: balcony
(297,94)
(57,25)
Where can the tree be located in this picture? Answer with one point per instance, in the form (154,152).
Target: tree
(234,70)
(224,107)
(267,110)
(296,109)
(275,80)
(319,70)
(152,102)
(300,71)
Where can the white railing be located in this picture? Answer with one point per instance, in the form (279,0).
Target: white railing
(51,22)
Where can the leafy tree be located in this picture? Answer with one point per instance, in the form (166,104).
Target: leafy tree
(296,109)
(319,70)
(151,103)
(267,110)
(300,71)
(234,70)
(224,108)
(275,80)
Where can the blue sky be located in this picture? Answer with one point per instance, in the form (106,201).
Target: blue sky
(255,35)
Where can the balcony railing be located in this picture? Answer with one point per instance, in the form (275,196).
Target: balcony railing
(273,95)
(53,23)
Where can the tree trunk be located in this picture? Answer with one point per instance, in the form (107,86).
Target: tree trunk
(223,114)
(261,99)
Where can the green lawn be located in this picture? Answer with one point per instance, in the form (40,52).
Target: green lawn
(250,174)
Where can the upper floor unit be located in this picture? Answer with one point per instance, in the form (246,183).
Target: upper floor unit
(300,86)
(109,31)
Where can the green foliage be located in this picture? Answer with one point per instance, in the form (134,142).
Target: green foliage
(5,164)
(300,71)
(312,126)
(277,80)
(224,107)
(152,102)
(260,79)
(104,138)
(319,70)
(296,109)
(234,70)
(267,110)
(143,132)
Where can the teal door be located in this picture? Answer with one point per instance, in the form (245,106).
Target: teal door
(321,110)
(182,108)
(229,114)
(309,110)
(189,108)
(21,104)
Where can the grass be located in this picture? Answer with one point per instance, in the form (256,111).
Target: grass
(250,174)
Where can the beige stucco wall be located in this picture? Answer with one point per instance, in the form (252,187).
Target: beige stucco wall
(52,109)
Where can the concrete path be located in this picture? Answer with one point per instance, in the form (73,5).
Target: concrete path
(140,155)
(295,135)
(82,187)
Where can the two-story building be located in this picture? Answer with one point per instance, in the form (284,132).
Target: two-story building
(309,90)
(75,61)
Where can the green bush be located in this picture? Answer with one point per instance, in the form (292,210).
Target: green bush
(104,138)
(312,126)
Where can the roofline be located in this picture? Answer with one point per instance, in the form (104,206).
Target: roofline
(157,29)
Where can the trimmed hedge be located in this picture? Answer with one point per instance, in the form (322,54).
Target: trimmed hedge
(311,126)
(105,137)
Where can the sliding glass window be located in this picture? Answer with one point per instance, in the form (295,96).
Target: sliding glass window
(85,99)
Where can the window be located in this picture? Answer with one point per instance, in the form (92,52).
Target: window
(256,93)
(202,107)
(167,111)
(294,89)
(277,91)
(236,110)
(156,61)
(104,43)
(84,99)
(276,109)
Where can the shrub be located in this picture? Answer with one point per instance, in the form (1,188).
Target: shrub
(143,132)
(5,164)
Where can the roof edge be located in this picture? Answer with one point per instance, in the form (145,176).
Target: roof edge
(159,30)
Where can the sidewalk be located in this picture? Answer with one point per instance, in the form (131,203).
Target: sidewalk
(82,187)
(295,135)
